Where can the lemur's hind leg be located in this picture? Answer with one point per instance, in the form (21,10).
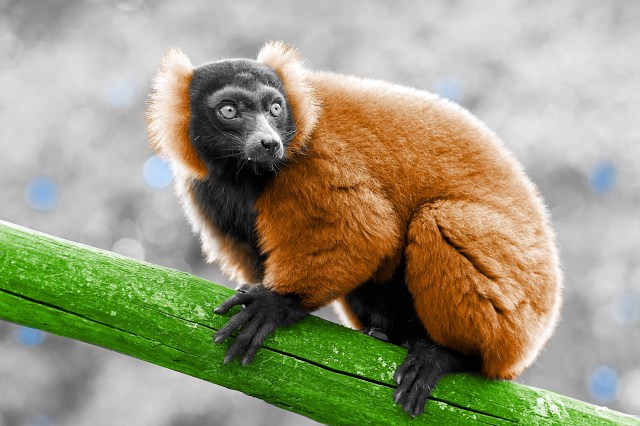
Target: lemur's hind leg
(478,287)
(464,270)
(386,311)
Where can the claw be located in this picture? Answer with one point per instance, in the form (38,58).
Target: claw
(397,377)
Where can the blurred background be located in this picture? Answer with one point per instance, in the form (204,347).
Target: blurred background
(558,81)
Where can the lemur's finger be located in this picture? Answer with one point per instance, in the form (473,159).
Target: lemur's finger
(404,367)
(243,341)
(258,339)
(236,321)
(236,299)
(418,394)
(401,394)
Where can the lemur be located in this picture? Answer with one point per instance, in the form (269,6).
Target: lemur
(399,206)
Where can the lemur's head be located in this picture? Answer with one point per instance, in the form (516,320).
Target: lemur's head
(237,112)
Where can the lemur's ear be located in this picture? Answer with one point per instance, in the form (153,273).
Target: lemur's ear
(168,114)
(289,66)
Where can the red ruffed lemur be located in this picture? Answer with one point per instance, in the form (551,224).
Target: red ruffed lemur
(400,206)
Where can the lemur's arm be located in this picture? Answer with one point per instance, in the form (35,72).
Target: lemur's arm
(314,255)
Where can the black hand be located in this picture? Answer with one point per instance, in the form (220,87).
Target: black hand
(264,312)
(425,365)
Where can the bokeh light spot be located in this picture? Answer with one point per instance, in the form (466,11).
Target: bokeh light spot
(11,49)
(120,93)
(41,420)
(602,177)
(129,5)
(450,88)
(42,193)
(630,389)
(129,247)
(29,336)
(603,384)
(156,172)
(626,309)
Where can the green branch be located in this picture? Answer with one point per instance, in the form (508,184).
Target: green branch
(318,369)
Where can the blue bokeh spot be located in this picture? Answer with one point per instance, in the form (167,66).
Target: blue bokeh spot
(120,93)
(627,307)
(603,384)
(156,172)
(41,420)
(42,194)
(449,87)
(602,177)
(29,336)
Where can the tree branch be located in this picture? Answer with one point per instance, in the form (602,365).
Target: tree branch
(318,369)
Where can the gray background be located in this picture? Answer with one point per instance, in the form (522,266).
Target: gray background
(558,81)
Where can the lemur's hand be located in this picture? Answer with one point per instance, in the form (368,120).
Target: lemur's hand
(263,312)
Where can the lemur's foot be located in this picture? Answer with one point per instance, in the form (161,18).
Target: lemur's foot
(425,365)
(375,332)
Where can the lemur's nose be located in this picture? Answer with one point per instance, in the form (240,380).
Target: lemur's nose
(269,144)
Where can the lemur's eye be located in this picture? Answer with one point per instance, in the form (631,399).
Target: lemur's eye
(229,111)
(275,109)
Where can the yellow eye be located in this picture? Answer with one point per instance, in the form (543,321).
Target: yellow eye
(229,111)
(275,109)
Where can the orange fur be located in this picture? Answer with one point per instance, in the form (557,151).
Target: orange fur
(391,170)
(168,113)
(377,172)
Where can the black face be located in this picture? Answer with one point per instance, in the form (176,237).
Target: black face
(240,115)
